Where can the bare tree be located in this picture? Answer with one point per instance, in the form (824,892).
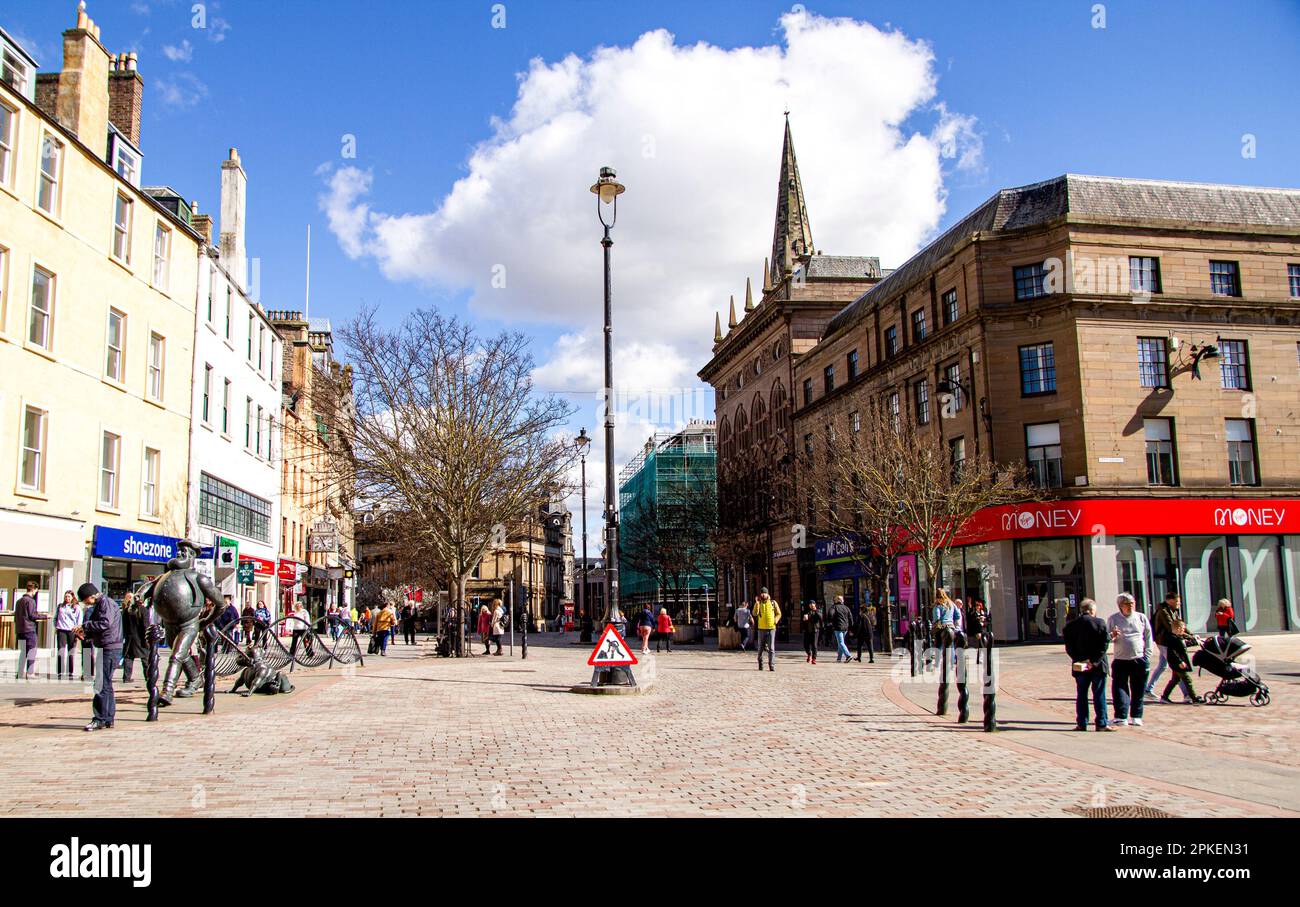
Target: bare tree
(446,430)
(671,538)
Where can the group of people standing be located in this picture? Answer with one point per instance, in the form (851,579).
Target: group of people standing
(1132,641)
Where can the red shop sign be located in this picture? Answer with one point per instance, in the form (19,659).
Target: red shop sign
(261,566)
(288,572)
(1135,516)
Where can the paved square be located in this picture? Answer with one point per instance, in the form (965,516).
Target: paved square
(417,735)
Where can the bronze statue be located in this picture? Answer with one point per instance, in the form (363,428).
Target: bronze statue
(187,602)
(256,672)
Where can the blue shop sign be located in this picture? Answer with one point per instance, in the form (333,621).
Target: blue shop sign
(834,549)
(133,546)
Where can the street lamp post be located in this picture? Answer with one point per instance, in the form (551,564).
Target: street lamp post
(607,189)
(583,442)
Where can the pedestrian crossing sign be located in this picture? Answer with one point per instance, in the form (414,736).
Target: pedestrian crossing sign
(611,650)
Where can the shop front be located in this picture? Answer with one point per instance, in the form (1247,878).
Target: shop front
(45,550)
(1246,551)
(288,573)
(264,585)
(122,560)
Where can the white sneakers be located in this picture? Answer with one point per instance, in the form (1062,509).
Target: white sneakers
(1136,722)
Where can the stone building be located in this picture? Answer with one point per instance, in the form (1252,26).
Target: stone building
(752,372)
(1134,343)
(97,309)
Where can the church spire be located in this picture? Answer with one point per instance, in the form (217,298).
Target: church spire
(749,296)
(731,323)
(792,237)
(717,328)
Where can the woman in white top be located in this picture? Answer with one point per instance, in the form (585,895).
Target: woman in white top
(66,620)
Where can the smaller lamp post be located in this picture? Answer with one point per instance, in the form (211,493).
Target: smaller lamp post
(583,442)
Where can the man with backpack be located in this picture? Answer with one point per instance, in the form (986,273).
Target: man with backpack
(767,614)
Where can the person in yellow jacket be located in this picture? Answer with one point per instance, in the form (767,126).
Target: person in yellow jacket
(767,614)
(385,620)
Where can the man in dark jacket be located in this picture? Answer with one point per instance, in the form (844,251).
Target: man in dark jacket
(134,644)
(25,617)
(1086,642)
(865,631)
(102,628)
(841,621)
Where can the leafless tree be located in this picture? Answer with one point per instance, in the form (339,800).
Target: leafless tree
(446,430)
(671,538)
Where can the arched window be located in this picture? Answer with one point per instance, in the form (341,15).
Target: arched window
(758,420)
(742,432)
(725,439)
(780,412)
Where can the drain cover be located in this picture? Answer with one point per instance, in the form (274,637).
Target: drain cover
(1123,812)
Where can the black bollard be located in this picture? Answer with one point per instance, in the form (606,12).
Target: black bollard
(990,687)
(963,695)
(209,670)
(941,708)
(911,647)
(151,673)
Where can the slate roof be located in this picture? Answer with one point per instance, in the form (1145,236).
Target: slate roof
(844,266)
(1091,197)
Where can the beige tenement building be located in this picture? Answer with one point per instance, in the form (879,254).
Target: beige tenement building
(97,297)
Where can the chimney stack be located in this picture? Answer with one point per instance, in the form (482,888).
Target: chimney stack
(82,101)
(234,185)
(201,222)
(125,97)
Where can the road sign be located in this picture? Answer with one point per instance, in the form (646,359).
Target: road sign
(611,650)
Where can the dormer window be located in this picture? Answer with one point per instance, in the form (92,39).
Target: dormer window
(124,158)
(17,70)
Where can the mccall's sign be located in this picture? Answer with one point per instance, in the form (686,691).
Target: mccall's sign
(1134,516)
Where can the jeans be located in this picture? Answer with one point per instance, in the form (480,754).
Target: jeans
(842,652)
(1094,680)
(382,636)
(767,641)
(1160,669)
(104,707)
(1127,684)
(744,637)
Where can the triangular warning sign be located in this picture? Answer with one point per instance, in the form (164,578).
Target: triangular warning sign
(611,649)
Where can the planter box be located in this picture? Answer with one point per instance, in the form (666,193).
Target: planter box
(689,633)
(728,638)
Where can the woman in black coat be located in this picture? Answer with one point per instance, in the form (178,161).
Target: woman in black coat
(133,636)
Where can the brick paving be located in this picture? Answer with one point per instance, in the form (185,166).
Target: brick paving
(417,735)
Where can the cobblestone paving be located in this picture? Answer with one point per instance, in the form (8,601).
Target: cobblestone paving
(417,735)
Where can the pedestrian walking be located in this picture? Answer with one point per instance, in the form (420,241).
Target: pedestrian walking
(485,629)
(866,630)
(1130,634)
(767,614)
(645,625)
(665,628)
(102,629)
(1169,611)
(1180,664)
(26,617)
(66,620)
(301,623)
(1086,642)
(1225,618)
(811,622)
(134,640)
(226,622)
(943,625)
(841,621)
(247,620)
(262,623)
(744,624)
(385,620)
(977,626)
(498,625)
(408,623)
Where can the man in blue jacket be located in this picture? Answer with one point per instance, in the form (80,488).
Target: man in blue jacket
(102,628)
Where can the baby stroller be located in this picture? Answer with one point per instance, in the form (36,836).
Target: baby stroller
(1217,655)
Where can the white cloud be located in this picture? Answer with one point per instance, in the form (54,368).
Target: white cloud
(695,133)
(182,90)
(182,53)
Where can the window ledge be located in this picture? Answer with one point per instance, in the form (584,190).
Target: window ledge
(104,508)
(40,351)
(116,385)
(52,218)
(124,265)
(207,425)
(153,401)
(144,517)
(31,493)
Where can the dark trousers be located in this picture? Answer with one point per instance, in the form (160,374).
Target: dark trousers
(864,638)
(1090,682)
(810,645)
(127,665)
(105,705)
(666,639)
(744,638)
(1177,677)
(67,651)
(27,651)
(408,632)
(1128,685)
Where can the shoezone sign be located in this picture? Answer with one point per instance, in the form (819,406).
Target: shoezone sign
(611,650)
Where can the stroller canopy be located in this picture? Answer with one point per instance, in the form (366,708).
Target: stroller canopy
(1226,648)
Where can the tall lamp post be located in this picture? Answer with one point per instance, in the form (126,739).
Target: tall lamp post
(583,442)
(607,189)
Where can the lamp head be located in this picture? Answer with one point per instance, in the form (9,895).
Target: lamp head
(607,187)
(582,440)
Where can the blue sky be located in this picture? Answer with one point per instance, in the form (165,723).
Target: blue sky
(943,103)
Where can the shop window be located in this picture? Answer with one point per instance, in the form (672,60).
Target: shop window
(1203,569)
(1259,585)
